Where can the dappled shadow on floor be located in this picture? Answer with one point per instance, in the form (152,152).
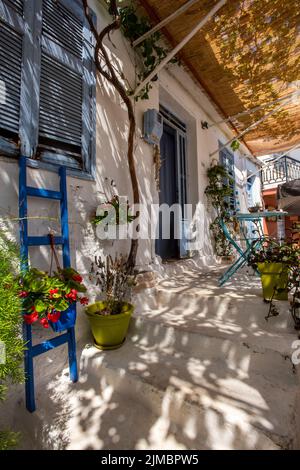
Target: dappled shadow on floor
(202,371)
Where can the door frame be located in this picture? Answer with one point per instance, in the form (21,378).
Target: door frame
(181,169)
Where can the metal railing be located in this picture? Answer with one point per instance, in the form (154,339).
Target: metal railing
(283,170)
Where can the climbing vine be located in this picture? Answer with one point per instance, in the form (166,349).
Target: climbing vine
(257,43)
(151,51)
(219,191)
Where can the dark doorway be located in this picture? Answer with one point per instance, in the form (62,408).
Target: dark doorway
(173,185)
(168,249)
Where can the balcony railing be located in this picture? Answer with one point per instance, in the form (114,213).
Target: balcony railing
(283,170)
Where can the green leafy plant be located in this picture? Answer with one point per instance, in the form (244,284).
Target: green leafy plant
(288,254)
(115,282)
(219,191)
(151,50)
(10,327)
(46,297)
(235,145)
(273,252)
(115,213)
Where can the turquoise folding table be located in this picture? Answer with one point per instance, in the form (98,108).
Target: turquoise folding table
(251,229)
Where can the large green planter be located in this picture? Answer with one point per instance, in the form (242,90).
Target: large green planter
(109,331)
(274,275)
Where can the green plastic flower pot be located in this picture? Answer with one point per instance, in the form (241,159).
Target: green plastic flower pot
(274,275)
(109,331)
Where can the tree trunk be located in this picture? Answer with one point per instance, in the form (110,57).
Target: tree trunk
(112,77)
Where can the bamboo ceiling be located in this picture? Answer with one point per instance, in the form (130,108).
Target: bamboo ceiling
(248,55)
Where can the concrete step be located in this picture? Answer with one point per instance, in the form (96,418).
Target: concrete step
(181,403)
(194,391)
(224,312)
(238,355)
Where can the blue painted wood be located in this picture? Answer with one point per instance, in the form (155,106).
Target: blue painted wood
(8,147)
(10,16)
(72,355)
(62,55)
(29,100)
(44,241)
(49,344)
(43,193)
(25,242)
(64,217)
(52,167)
(27,334)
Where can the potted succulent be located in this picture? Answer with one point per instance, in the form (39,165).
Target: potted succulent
(48,298)
(110,317)
(274,261)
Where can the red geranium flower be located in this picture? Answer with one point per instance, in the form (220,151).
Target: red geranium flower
(84,301)
(53,291)
(29,319)
(53,316)
(23,294)
(44,322)
(72,295)
(77,278)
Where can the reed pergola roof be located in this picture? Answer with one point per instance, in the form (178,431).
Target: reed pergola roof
(246,56)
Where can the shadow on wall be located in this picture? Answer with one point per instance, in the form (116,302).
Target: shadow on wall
(195,383)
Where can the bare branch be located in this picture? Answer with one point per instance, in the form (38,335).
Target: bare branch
(111,76)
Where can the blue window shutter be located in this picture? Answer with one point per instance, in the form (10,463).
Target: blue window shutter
(227,161)
(11,56)
(65,95)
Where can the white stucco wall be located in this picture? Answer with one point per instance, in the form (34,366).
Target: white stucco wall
(177,91)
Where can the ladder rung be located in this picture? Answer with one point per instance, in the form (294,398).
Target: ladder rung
(39,241)
(49,344)
(46,193)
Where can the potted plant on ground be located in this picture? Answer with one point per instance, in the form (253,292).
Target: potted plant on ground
(274,261)
(110,317)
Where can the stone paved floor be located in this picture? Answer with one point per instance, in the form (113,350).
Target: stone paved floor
(201,369)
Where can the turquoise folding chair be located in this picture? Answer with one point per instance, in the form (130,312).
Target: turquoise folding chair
(243,254)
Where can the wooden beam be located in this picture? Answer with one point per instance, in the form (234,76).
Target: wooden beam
(153,15)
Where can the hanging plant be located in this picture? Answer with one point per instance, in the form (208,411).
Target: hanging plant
(114,213)
(45,297)
(219,191)
(235,145)
(151,50)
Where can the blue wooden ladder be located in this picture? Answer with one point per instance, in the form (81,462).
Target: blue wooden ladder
(27,241)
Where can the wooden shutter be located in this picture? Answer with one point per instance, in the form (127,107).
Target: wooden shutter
(227,161)
(61,84)
(11,54)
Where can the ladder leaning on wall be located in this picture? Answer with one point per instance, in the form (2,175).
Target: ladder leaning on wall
(28,241)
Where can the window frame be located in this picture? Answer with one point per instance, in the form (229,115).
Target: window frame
(30,86)
(225,153)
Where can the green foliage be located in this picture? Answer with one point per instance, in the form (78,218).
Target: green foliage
(116,213)
(10,326)
(8,440)
(219,191)
(235,145)
(115,281)
(258,45)
(44,294)
(151,50)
